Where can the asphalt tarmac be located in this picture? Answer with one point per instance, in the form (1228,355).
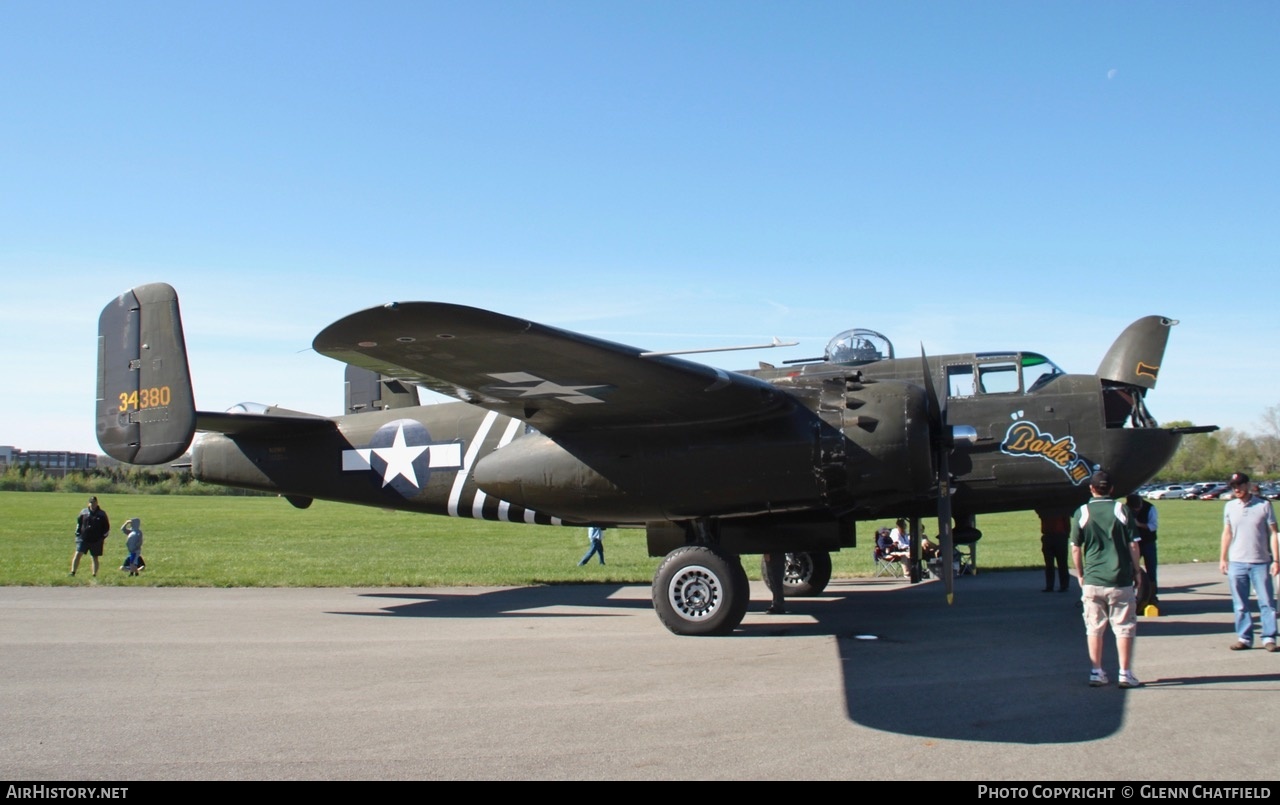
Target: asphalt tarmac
(115,684)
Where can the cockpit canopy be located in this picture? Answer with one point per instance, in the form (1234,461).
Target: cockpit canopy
(1000,373)
(858,346)
(249,408)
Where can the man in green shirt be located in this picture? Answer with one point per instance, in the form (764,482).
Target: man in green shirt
(1105,552)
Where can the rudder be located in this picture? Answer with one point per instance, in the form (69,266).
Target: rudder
(1135,357)
(146,408)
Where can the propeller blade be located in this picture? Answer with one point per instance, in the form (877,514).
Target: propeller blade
(946,540)
(941,444)
(937,410)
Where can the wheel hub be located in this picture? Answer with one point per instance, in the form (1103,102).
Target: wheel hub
(695,592)
(798,569)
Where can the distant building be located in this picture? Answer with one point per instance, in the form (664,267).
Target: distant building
(52,462)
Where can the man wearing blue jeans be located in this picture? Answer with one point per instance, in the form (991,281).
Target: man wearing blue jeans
(595,536)
(1248,558)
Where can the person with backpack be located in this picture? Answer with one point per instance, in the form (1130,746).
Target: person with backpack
(1104,550)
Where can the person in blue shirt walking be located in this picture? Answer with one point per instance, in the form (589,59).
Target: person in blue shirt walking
(596,535)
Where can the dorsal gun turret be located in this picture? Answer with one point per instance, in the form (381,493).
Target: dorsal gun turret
(857,346)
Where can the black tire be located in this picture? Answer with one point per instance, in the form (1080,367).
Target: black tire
(1144,592)
(806,573)
(700,591)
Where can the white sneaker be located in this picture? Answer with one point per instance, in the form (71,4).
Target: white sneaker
(1098,678)
(1128,680)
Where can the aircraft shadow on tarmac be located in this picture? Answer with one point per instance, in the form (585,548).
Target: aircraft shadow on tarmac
(508,602)
(1000,665)
(1004,664)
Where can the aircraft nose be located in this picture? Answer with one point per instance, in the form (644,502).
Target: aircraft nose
(1134,455)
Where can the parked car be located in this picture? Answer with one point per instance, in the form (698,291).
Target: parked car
(1214,492)
(1171,492)
(1198,489)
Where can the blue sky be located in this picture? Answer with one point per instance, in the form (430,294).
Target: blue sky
(965,176)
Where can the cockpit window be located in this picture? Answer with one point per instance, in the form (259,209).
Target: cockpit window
(998,378)
(1037,371)
(1027,372)
(960,381)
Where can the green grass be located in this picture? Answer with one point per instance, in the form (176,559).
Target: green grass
(265,542)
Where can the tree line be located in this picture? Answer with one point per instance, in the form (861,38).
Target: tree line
(1214,456)
(119,479)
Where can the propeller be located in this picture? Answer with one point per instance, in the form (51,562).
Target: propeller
(942,439)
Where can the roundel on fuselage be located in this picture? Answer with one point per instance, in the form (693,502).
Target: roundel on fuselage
(400,456)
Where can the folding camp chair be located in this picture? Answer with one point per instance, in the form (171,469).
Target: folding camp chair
(967,551)
(887,565)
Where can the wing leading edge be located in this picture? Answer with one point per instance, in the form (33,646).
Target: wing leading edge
(554,379)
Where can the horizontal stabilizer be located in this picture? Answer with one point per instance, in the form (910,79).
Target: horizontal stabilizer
(235,423)
(1187,430)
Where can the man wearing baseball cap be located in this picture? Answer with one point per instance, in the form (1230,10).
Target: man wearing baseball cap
(92,527)
(1248,558)
(1104,550)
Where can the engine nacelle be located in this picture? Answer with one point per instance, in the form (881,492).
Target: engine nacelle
(884,449)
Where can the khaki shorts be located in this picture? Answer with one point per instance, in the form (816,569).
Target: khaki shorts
(1118,605)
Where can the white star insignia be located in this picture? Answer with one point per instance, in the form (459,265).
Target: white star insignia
(399,457)
(544,388)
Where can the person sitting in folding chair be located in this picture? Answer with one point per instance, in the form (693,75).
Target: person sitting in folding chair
(928,554)
(891,557)
(901,542)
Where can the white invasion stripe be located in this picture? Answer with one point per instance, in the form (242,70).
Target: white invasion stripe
(510,433)
(356,459)
(504,507)
(477,505)
(461,478)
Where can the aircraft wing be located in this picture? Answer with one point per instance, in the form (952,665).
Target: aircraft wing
(555,379)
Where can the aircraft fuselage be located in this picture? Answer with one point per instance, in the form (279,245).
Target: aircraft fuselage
(861,453)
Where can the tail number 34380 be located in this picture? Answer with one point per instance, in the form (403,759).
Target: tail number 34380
(153,397)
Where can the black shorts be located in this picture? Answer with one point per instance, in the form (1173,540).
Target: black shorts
(91,548)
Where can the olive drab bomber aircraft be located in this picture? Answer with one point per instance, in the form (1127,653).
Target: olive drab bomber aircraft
(557,428)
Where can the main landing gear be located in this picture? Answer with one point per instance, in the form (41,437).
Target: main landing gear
(805,573)
(701,590)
